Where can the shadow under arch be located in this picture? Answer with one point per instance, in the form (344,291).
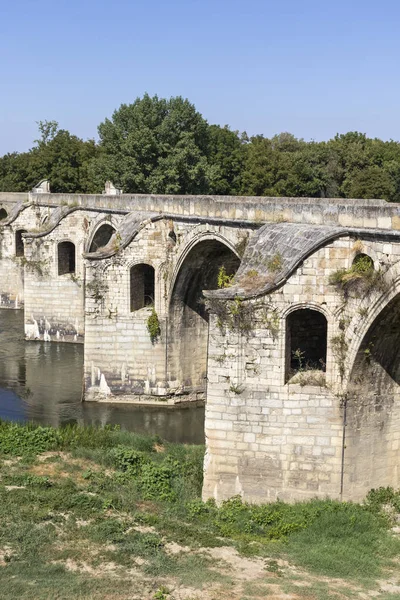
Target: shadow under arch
(373,407)
(187,315)
(101,237)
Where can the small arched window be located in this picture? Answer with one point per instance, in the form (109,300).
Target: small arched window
(66,258)
(306,341)
(363,263)
(19,242)
(3,214)
(141,286)
(101,237)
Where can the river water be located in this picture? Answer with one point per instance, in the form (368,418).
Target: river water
(41,382)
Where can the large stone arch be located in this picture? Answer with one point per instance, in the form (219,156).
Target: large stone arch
(372,404)
(366,313)
(196,270)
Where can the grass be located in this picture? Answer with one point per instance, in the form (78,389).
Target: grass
(83,507)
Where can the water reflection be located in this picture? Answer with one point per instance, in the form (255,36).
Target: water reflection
(41,382)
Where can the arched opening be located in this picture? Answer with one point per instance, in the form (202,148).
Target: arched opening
(188,317)
(3,214)
(102,237)
(19,242)
(66,258)
(373,408)
(363,263)
(306,342)
(141,286)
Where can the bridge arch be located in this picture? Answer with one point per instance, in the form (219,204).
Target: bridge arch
(368,311)
(197,270)
(373,404)
(100,235)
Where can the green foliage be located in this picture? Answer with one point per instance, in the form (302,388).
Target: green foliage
(40,267)
(360,279)
(58,156)
(340,347)
(153,326)
(224,280)
(154,146)
(382,497)
(156,482)
(129,460)
(17,440)
(42,522)
(97,289)
(161,594)
(158,145)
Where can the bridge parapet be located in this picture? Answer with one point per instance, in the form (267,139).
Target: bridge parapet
(317,211)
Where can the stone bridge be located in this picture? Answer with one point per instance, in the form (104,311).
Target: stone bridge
(297,354)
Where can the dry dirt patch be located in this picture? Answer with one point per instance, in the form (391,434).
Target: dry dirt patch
(62,468)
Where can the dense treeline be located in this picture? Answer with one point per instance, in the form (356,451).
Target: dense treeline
(165,146)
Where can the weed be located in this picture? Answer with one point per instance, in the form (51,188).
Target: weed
(162,593)
(360,279)
(339,347)
(236,389)
(39,267)
(97,289)
(224,280)
(153,326)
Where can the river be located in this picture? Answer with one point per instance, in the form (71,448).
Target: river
(41,382)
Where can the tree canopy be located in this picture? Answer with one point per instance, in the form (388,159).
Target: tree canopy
(165,146)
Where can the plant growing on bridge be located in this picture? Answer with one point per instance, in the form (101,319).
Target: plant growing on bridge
(97,289)
(306,373)
(361,278)
(224,280)
(236,388)
(153,326)
(40,267)
(339,347)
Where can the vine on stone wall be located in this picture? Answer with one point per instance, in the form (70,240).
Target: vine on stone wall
(40,267)
(153,326)
(97,289)
(243,316)
(360,279)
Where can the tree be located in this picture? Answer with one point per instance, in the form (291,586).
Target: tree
(226,156)
(58,156)
(154,145)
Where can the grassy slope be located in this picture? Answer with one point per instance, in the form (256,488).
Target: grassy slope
(89,513)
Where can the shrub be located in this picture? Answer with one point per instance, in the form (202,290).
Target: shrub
(18,439)
(155,482)
(128,460)
(153,326)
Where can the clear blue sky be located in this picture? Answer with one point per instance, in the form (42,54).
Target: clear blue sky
(311,67)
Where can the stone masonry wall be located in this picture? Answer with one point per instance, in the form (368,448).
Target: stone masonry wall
(120,358)
(12,266)
(267,439)
(54,303)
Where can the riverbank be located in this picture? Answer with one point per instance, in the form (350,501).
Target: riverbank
(94,514)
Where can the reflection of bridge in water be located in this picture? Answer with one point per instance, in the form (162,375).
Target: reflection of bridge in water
(298,354)
(42,383)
